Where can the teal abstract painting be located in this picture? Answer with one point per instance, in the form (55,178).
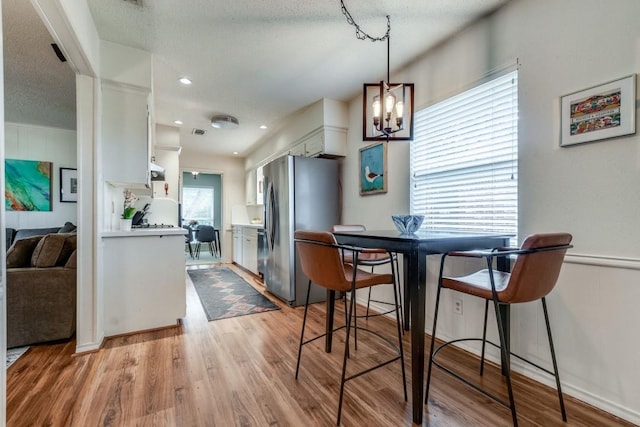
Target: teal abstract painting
(27,185)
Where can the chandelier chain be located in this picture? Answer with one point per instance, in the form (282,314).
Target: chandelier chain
(361,35)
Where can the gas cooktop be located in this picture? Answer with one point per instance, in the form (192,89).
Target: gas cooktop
(153,226)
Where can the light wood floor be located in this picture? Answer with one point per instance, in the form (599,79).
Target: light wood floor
(240,372)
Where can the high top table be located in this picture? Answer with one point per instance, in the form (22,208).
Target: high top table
(415,248)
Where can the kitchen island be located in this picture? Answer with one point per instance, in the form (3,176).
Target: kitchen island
(144,279)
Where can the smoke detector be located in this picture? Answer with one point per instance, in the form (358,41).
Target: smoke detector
(224,122)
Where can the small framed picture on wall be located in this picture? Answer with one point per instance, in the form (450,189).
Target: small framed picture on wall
(68,185)
(600,112)
(373,169)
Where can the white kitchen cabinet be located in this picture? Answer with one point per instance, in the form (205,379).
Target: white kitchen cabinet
(324,141)
(144,281)
(245,247)
(259,186)
(250,187)
(250,249)
(237,245)
(125,135)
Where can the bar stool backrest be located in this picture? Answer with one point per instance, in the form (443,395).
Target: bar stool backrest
(320,259)
(534,274)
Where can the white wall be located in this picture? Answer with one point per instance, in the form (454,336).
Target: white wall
(589,190)
(28,142)
(233,188)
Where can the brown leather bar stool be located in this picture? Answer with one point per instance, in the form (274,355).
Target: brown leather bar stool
(534,274)
(371,258)
(322,263)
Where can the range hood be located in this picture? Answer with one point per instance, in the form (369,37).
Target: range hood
(156,171)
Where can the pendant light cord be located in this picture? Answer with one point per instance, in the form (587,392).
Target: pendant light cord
(361,35)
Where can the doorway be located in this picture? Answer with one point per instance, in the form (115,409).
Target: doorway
(200,207)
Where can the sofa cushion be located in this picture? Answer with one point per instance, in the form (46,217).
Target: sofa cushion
(19,254)
(68,227)
(73,260)
(68,248)
(52,250)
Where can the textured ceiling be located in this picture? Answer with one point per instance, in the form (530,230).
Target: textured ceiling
(257,60)
(38,89)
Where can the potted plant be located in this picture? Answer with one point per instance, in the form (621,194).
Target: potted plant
(128,211)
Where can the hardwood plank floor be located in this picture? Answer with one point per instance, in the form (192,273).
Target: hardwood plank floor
(240,372)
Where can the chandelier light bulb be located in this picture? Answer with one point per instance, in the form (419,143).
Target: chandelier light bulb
(376,110)
(399,114)
(389,103)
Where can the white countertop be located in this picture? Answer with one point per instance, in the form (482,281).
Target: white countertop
(145,232)
(259,225)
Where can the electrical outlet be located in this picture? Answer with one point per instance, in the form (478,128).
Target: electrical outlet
(457,306)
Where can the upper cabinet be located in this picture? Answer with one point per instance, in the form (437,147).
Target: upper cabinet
(254,184)
(259,186)
(250,187)
(325,141)
(125,135)
(166,152)
(127,115)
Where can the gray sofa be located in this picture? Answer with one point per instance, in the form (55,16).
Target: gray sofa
(41,289)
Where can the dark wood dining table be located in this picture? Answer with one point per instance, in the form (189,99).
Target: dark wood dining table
(415,248)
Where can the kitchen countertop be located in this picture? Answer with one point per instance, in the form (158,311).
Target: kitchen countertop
(144,232)
(259,225)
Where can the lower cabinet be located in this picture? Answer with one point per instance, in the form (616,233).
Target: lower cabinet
(245,247)
(237,245)
(250,249)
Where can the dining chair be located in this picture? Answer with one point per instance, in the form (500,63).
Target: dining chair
(534,274)
(371,257)
(205,235)
(322,263)
(187,241)
(216,241)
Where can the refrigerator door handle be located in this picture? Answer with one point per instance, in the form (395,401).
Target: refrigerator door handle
(270,213)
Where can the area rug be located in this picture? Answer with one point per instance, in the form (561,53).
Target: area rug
(14,354)
(224,294)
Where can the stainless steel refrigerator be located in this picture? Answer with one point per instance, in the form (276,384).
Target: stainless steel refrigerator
(299,193)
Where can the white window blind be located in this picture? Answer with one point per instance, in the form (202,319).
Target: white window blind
(464,160)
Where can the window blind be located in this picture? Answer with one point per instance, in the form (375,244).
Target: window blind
(464,160)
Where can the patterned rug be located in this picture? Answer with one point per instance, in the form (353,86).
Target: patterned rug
(14,354)
(224,294)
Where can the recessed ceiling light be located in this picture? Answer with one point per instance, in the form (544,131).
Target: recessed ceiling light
(178,122)
(263,126)
(185,80)
(235,153)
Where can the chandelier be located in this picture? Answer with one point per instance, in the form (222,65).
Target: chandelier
(387,108)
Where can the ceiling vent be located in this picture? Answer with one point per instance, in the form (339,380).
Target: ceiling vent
(198,131)
(224,121)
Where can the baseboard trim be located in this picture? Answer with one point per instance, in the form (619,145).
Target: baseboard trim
(532,373)
(585,396)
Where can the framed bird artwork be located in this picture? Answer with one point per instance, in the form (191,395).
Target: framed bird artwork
(373,169)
